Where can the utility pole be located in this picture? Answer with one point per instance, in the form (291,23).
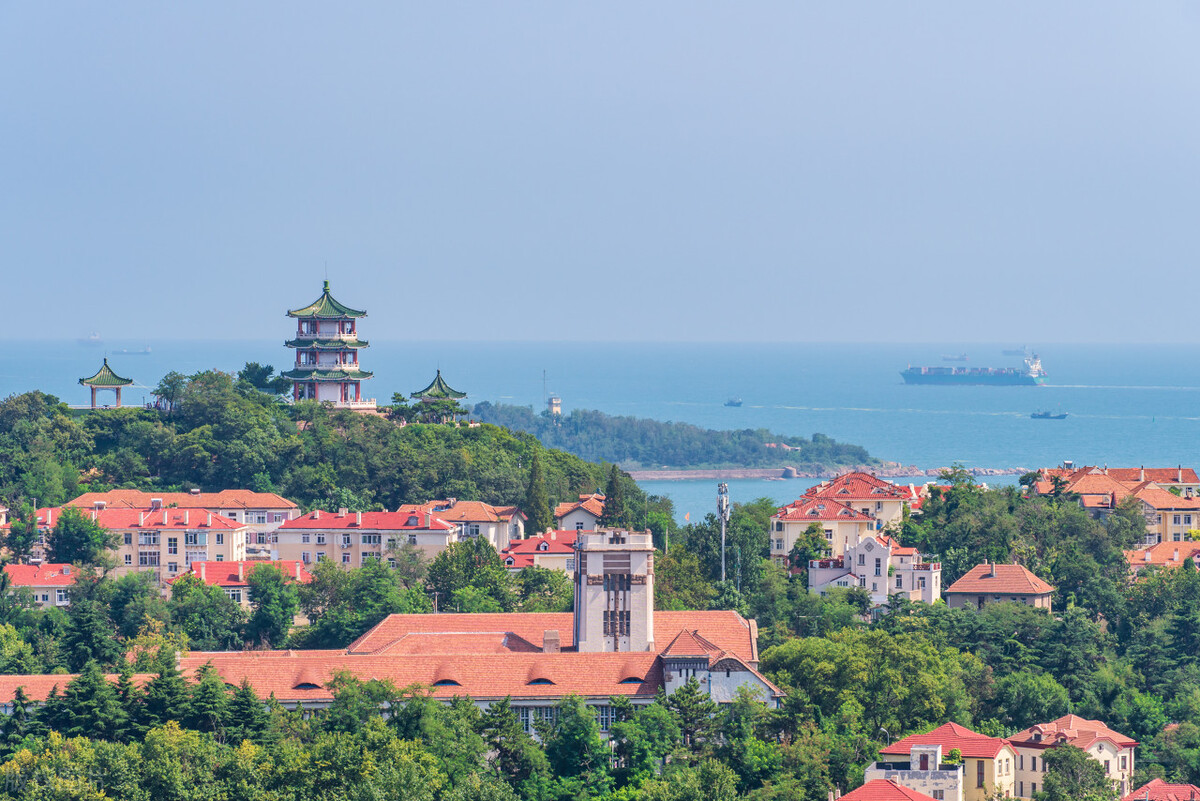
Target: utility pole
(723,513)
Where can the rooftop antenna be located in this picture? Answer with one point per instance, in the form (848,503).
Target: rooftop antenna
(723,513)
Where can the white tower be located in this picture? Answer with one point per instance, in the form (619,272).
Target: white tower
(614,591)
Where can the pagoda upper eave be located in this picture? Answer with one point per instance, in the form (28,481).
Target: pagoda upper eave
(327,308)
(320,376)
(326,344)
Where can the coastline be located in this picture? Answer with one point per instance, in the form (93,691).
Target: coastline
(885,470)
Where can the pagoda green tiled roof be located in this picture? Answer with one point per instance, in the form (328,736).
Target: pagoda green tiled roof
(327,308)
(327,375)
(105,377)
(438,390)
(326,344)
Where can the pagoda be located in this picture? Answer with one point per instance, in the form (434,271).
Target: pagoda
(105,378)
(327,346)
(438,390)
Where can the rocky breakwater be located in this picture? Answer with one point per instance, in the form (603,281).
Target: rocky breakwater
(883,470)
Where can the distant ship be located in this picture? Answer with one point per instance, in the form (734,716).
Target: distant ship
(128,352)
(1044,415)
(962,357)
(734,402)
(1032,375)
(91,339)
(1022,352)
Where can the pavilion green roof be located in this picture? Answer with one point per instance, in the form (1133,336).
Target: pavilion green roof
(327,375)
(105,377)
(326,344)
(439,390)
(326,307)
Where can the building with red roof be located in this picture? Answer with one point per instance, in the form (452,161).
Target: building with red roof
(995,583)
(499,525)
(351,538)
(1113,750)
(919,762)
(885,790)
(863,492)
(1163,554)
(1159,790)
(581,515)
(233,577)
(882,567)
(553,550)
(50,584)
(842,526)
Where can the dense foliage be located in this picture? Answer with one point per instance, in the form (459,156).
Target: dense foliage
(640,443)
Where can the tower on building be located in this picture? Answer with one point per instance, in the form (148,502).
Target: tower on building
(327,347)
(614,591)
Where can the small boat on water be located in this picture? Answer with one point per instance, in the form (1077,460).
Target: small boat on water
(1045,415)
(962,357)
(130,352)
(734,402)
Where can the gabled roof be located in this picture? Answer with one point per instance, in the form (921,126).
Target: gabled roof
(949,736)
(438,389)
(37,687)
(820,508)
(885,790)
(1072,730)
(592,504)
(226,574)
(105,377)
(173,518)
(225,499)
(1164,554)
(690,643)
(1159,475)
(1008,580)
(470,511)
(858,486)
(325,307)
(561,542)
(1159,790)
(1160,499)
(373,521)
(45,575)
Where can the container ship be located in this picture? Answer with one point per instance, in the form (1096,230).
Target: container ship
(1031,375)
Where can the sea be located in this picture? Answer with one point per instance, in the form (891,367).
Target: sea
(1127,405)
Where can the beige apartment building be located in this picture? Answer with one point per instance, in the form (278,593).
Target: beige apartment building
(843,527)
(868,494)
(1113,750)
(351,538)
(988,768)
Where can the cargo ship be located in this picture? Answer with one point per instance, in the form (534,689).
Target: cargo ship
(1031,375)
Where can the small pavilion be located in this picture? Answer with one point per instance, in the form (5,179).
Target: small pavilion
(439,390)
(105,378)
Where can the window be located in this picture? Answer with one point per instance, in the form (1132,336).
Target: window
(899,582)
(1033,788)
(345,540)
(262,537)
(345,559)
(1124,763)
(220,538)
(920,582)
(320,539)
(829,534)
(304,538)
(148,538)
(862,559)
(979,773)
(862,581)
(779,545)
(1107,766)
(148,558)
(220,557)
(249,538)
(305,557)
(129,538)
(129,559)
(570,564)
(195,538)
(60,597)
(278,517)
(1187,520)
(260,517)
(320,556)
(924,762)
(412,539)
(878,567)
(579,526)
(939,795)
(473,530)
(1175,520)
(235,594)
(172,545)
(778,526)
(1020,763)
(604,717)
(371,539)
(231,515)
(368,555)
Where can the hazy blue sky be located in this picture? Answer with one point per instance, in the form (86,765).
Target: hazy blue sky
(1023,172)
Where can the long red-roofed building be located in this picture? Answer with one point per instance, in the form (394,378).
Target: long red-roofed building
(351,538)
(553,550)
(50,584)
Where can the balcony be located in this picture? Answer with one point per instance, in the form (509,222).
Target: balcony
(927,566)
(365,403)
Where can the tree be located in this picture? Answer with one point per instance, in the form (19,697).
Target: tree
(810,545)
(342,604)
(537,499)
(573,744)
(614,501)
(90,635)
(472,563)
(262,377)
(208,706)
(1072,775)
(170,389)
(517,757)
(543,590)
(211,620)
(273,603)
(78,539)
(91,707)
(246,716)
(22,533)
(167,696)
(695,712)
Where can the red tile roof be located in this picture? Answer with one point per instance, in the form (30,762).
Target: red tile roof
(1159,499)
(374,521)
(226,574)
(1159,475)
(167,518)
(456,511)
(1158,790)
(522,553)
(816,509)
(885,790)
(225,499)
(593,504)
(1164,554)
(950,736)
(1009,580)
(858,486)
(1073,730)
(38,687)
(47,575)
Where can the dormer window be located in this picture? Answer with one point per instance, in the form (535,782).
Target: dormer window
(543,546)
(540,681)
(307,685)
(446,683)
(632,680)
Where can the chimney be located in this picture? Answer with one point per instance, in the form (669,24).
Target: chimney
(1147,556)
(1175,558)
(551,644)
(203,571)
(358,518)
(209,524)
(165,517)
(141,518)
(186,515)
(1179,474)
(342,511)
(241,571)
(49,517)
(992,572)
(297,566)
(316,514)
(553,535)
(1142,473)
(93,515)
(428,519)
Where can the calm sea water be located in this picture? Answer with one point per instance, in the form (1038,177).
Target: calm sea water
(1128,405)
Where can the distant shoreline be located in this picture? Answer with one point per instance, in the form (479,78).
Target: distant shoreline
(783,473)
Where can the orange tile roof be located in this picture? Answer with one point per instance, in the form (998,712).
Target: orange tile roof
(1159,790)
(225,574)
(950,736)
(1160,499)
(46,575)
(593,503)
(690,643)
(1072,730)
(1163,554)
(885,790)
(375,521)
(457,511)
(858,486)
(119,518)
(225,499)
(1009,580)
(816,509)
(38,687)
(1159,475)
